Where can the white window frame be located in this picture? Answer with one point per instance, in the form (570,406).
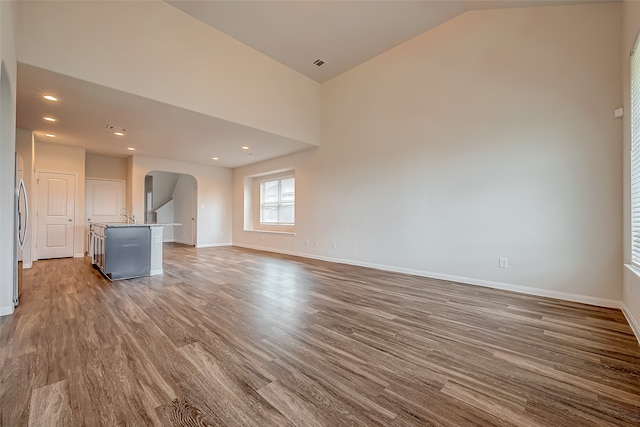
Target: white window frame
(280,203)
(635,155)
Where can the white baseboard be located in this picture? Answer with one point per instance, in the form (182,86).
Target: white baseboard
(157,272)
(27,265)
(79,255)
(635,325)
(213,245)
(182,242)
(601,302)
(6,310)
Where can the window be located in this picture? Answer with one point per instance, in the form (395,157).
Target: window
(269,202)
(277,201)
(635,156)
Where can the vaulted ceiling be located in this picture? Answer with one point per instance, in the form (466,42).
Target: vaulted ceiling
(343,34)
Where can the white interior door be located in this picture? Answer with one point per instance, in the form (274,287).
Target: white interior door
(105,200)
(56,215)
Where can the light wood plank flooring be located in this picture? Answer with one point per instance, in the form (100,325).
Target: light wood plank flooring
(233,337)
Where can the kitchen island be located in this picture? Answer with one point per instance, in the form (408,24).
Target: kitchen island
(125,251)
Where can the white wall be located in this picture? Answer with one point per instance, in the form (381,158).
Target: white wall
(164,215)
(631,287)
(170,57)
(105,167)
(50,157)
(163,185)
(184,208)
(7,150)
(490,136)
(214,195)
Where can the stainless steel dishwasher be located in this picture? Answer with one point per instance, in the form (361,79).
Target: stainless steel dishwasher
(121,252)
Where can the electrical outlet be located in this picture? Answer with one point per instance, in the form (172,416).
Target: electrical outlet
(317,243)
(502,262)
(333,245)
(306,242)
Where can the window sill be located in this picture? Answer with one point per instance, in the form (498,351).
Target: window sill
(632,268)
(285,233)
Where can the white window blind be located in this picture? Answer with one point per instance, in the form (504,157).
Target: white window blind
(277,201)
(635,156)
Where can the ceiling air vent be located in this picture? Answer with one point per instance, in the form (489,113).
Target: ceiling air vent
(318,62)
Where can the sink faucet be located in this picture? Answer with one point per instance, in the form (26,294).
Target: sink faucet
(130,218)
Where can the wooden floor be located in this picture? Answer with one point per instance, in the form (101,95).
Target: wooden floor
(236,337)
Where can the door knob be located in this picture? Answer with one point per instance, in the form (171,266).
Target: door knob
(70,220)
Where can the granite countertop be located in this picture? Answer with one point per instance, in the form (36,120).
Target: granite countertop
(124,224)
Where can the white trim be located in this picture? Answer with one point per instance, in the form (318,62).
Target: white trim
(95,178)
(79,255)
(27,265)
(265,176)
(156,272)
(6,310)
(601,302)
(635,325)
(634,153)
(632,268)
(286,233)
(213,245)
(182,242)
(277,204)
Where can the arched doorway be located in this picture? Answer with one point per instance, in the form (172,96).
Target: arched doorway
(172,198)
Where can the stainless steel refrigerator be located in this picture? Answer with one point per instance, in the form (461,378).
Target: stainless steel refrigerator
(21,224)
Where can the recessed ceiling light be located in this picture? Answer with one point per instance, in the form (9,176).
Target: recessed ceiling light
(118,130)
(50,119)
(50,135)
(131,149)
(50,98)
(244,147)
(215,158)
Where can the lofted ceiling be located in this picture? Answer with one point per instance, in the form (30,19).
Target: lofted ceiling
(295,33)
(341,33)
